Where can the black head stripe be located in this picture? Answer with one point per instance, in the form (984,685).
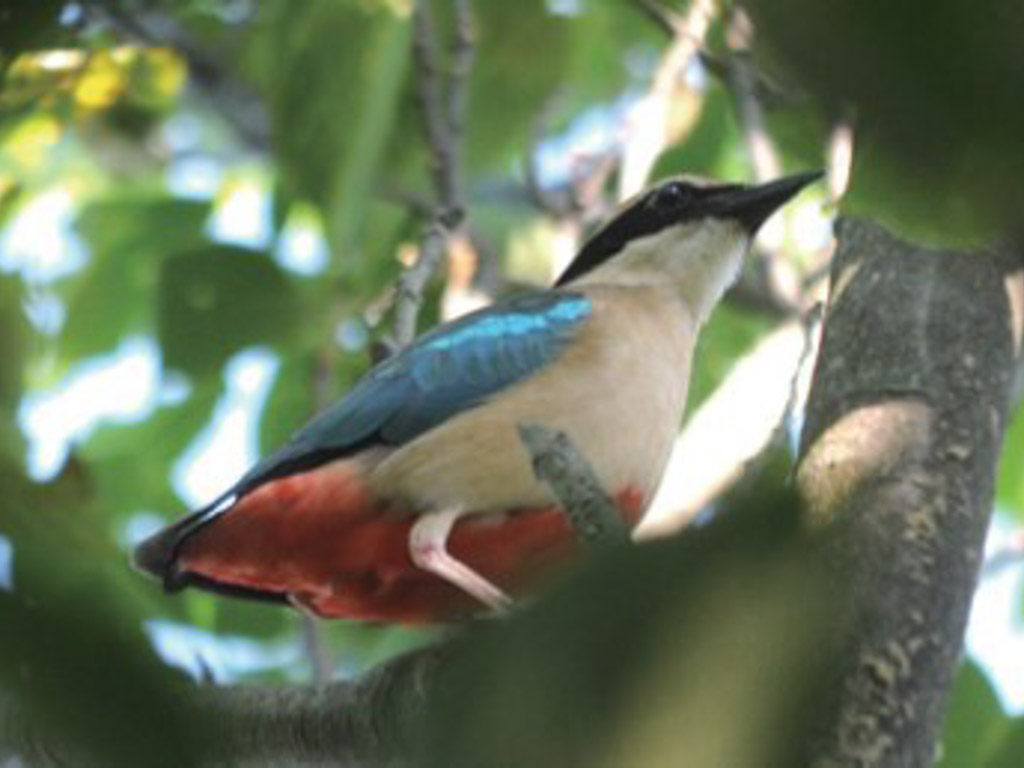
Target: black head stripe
(670,203)
(677,201)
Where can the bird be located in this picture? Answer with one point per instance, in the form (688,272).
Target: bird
(413,500)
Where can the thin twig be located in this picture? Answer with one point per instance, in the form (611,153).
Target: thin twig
(743,83)
(439,132)
(443,128)
(462,54)
(416,203)
(559,465)
(317,651)
(558,204)
(311,630)
(770,93)
(650,131)
(414,279)
(840,157)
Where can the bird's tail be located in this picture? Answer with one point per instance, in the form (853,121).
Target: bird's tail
(158,554)
(266,542)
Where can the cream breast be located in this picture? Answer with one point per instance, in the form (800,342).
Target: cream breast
(620,403)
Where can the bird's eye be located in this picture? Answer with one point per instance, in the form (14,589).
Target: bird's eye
(673,197)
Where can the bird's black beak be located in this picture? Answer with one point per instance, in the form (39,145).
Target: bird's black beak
(752,205)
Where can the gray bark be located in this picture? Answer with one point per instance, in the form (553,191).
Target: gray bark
(900,446)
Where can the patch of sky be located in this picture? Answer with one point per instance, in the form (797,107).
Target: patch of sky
(351,334)
(202,653)
(242,214)
(139,526)
(301,247)
(995,633)
(44,310)
(70,15)
(228,445)
(592,134)
(6,564)
(565,7)
(122,386)
(197,177)
(181,132)
(40,243)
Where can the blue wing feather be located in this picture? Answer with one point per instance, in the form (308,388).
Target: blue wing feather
(453,368)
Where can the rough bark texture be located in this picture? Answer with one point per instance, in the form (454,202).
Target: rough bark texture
(900,443)
(370,722)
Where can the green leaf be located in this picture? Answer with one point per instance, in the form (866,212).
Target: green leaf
(317,62)
(974,719)
(128,237)
(70,640)
(1010,747)
(289,404)
(142,223)
(599,40)
(14,336)
(130,464)
(1010,480)
(507,95)
(727,336)
(352,187)
(937,106)
(28,26)
(214,301)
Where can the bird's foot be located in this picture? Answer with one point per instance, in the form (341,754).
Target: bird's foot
(428,540)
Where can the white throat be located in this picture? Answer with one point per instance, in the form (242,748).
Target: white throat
(700,260)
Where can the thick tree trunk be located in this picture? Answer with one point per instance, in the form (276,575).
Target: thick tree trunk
(900,445)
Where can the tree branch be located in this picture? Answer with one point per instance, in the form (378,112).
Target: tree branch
(442,128)
(342,724)
(903,429)
(743,83)
(650,131)
(463,49)
(559,465)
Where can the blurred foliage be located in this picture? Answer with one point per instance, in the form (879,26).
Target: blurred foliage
(129,238)
(978,733)
(935,95)
(137,110)
(1010,482)
(691,650)
(99,689)
(27,26)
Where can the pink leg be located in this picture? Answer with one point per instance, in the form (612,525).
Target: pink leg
(428,540)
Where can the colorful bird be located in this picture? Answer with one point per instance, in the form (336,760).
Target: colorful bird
(412,499)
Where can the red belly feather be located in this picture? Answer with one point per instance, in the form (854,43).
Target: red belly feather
(323,539)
